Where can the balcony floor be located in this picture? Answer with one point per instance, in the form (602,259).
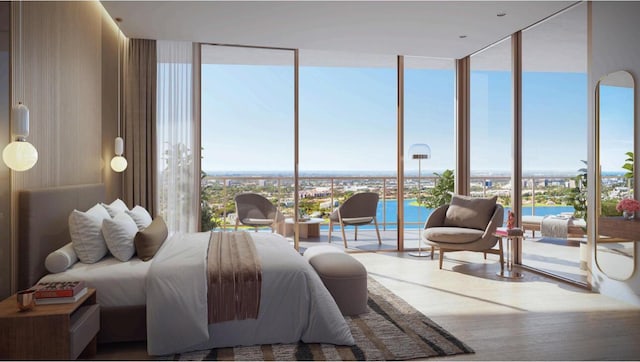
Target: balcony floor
(555,256)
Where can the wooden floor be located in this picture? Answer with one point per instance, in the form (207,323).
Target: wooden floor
(534,318)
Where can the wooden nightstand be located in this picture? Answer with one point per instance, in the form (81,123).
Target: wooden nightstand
(53,331)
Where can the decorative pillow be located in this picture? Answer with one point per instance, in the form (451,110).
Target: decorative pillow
(141,216)
(86,233)
(470,212)
(116,207)
(119,233)
(61,259)
(149,240)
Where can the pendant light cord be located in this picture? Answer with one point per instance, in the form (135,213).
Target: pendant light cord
(119,76)
(20,53)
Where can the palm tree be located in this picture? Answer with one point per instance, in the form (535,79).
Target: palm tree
(578,195)
(628,165)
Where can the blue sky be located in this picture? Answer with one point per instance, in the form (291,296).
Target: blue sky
(616,126)
(348,119)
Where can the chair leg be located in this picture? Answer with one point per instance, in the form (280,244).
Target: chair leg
(432,250)
(344,237)
(501,256)
(485,255)
(256,229)
(237,221)
(378,232)
(356,233)
(441,257)
(330,228)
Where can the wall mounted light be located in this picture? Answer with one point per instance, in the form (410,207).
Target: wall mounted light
(118,162)
(20,155)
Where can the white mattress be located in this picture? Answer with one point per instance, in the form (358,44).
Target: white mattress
(118,284)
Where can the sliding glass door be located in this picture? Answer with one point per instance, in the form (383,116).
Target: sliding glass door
(247,132)
(348,140)
(554,144)
(429,120)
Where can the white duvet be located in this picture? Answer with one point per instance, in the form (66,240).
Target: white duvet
(294,304)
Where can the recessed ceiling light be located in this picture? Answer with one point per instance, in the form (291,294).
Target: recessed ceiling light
(462,36)
(501,14)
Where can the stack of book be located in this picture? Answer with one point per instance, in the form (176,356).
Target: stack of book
(59,292)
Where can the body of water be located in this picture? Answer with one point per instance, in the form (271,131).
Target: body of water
(414,215)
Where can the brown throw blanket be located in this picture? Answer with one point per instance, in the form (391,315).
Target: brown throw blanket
(235,277)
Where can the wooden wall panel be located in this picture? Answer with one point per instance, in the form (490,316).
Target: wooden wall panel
(68,51)
(62,78)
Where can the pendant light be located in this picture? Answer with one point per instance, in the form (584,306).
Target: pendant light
(20,155)
(118,162)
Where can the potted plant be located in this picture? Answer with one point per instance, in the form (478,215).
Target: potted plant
(629,207)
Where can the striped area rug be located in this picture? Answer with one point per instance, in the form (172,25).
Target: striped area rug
(392,330)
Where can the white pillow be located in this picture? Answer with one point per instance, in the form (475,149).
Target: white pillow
(61,259)
(119,233)
(141,216)
(115,207)
(86,233)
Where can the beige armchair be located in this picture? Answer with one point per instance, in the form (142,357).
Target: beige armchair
(467,224)
(359,209)
(255,210)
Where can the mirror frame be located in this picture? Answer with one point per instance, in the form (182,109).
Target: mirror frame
(598,205)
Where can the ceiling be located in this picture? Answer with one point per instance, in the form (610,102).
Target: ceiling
(418,28)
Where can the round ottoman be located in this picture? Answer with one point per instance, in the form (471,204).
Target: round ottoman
(346,280)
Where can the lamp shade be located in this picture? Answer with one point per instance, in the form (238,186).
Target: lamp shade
(420,151)
(118,163)
(20,155)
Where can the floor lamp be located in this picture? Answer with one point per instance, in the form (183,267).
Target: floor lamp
(419,151)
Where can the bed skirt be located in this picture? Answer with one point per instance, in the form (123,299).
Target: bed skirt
(123,324)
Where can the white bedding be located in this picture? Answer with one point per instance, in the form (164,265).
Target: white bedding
(294,304)
(118,284)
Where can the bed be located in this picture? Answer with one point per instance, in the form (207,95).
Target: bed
(136,302)
(43,216)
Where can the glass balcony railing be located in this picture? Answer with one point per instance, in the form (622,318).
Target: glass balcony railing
(319,195)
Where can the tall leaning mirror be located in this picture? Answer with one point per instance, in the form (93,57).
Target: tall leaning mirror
(618,219)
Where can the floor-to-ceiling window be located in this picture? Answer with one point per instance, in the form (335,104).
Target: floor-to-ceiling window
(247,132)
(491,124)
(554,143)
(429,119)
(347,132)
(347,138)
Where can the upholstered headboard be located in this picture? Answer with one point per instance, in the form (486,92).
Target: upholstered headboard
(43,224)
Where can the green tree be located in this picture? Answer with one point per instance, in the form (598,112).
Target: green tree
(441,192)
(208,219)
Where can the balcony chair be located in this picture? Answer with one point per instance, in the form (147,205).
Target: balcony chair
(255,210)
(359,209)
(466,224)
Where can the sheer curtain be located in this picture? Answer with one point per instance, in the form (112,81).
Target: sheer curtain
(178,156)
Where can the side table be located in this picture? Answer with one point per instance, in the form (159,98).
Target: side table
(52,331)
(512,235)
(309,228)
